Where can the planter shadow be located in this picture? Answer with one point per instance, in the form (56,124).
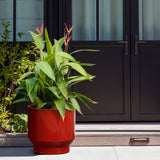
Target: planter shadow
(17,152)
(14,140)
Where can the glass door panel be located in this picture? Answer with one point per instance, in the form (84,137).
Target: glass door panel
(6,14)
(29,15)
(149,23)
(110,20)
(97,20)
(84,20)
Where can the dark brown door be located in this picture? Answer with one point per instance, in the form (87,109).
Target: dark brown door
(128,65)
(145,64)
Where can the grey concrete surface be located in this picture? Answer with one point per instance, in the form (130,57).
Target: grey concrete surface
(85,153)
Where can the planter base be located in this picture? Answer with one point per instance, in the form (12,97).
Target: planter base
(51,150)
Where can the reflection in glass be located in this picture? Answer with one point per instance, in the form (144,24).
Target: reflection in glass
(111,20)
(29,16)
(6,14)
(84,19)
(149,19)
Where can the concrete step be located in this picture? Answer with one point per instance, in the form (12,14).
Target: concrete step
(100,135)
(117,134)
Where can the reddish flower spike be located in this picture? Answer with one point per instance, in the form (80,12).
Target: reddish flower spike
(37,30)
(71,28)
(41,30)
(64,38)
(66,27)
(69,39)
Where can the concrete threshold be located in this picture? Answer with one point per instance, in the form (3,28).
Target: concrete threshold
(117,134)
(108,134)
(115,127)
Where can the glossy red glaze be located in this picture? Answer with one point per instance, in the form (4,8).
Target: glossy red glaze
(48,132)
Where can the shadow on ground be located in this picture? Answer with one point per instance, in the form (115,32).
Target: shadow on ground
(16,151)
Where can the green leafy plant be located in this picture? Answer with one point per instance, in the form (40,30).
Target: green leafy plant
(15,59)
(19,123)
(48,86)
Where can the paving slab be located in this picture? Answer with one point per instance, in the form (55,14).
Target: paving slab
(76,153)
(85,153)
(138,153)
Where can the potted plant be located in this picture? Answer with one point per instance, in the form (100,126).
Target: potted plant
(51,117)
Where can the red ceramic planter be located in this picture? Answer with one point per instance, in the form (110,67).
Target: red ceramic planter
(48,132)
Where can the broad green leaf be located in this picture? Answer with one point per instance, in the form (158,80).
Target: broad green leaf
(67,56)
(48,42)
(66,70)
(79,69)
(46,68)
(21,90)
(71,95)
(44,79)
(41,104)
(59,60)
(62,85)
(69,106)
(58,47)
(27,85)
(41,84)
(84,97)
(60,105)
(54,90)
(45,54)
(38,40)
(86,50)
(21,100)
(33,93)
(60,41)
(78,79)
(51,60)
(76,105)
(26,75)
(37,70)
(30,84)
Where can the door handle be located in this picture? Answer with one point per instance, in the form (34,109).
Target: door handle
(136,44)
(125,42)
(139,140)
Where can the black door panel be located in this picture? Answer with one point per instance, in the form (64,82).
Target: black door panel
(147,63)
(108,88)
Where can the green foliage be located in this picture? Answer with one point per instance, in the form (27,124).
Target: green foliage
(4,119)
(15,59)
(48,85)
(19,123)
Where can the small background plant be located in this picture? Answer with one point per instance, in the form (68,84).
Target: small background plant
(15,59)
(19,123)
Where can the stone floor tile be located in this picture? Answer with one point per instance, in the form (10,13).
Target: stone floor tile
(138,153)
(76,153)
(87,153)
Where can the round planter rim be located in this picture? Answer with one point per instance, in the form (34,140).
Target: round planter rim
(31,107)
